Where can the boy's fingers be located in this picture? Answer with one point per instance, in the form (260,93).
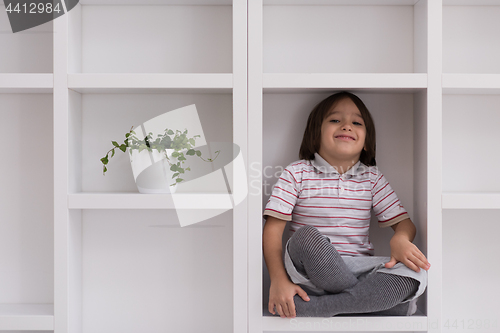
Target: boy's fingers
(420,262)
(411,265)
(280,310)
(286,310)
(291,308)
(270,308)
(303,294)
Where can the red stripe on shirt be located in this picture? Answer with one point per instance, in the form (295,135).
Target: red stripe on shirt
(395,202)
(282,200)
(349,208)
(291,175)
(331,226)
(294,194)
(381,189)
(383,198)
(331,217)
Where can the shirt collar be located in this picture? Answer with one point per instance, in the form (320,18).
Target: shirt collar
(323,166)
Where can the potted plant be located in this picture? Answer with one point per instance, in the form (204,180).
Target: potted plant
(170,146)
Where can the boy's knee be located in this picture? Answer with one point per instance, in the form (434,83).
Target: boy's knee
(306,237)
(306,231)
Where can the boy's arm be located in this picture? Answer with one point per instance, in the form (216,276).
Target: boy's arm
(282,289)
(402,248)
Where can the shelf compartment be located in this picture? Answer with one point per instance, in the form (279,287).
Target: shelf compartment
(97,119)
(471,200)
(134,269)
(149,201)
(479,144)
(161,37)
(26,83)
(471,83)
(346,324)
(27,51)
(401,122)
(33,317)
(27,201)
(344,37)
(372,81)
(470,239)
(471,39)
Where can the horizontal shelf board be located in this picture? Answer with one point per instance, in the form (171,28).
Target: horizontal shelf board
(156,2)
(306,81)
(346,324)
(471,83)
(343,2)
(106,83)
(470,200)
(26,83)
(149,201)
(36,317)
(471,2)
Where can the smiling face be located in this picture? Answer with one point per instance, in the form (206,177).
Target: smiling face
(343,133)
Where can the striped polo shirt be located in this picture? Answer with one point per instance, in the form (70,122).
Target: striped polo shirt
(338,205)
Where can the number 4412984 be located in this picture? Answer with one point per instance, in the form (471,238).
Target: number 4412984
(33,8)
(470,324)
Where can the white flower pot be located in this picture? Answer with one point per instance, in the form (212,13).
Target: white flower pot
(152,172)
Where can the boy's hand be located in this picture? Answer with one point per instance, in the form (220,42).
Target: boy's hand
(404,251)
(281,296)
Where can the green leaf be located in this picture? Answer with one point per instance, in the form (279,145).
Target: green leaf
(112,153)
(170,132)
(198,153)
(181,158)
(123,148)
(190,152)
(188,169)
(175,174)
(173,167)
(104,170)
(178,180)
(127,135)
(191,141)
(115,143)
(105,160)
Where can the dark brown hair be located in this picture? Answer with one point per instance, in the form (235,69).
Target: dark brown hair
(312,135)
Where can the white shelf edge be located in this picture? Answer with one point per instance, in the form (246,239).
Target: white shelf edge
(171,81)
(26,82)
(470,200)
(346,324)
(343,2)
(471,2)
(344,81)
(33,317)
(471,83)
(149,201)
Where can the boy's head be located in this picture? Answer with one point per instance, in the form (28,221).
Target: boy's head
(311,142)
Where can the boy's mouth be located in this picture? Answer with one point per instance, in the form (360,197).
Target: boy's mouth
(344,137)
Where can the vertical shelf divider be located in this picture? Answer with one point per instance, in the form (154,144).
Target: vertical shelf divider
(255,131)
(240,132)
(61,173)
(434,165)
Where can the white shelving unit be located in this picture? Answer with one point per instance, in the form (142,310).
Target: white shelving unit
(389,54)
(82,253)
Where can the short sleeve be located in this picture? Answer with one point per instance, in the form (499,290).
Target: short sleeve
(284,195)
(386,204)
